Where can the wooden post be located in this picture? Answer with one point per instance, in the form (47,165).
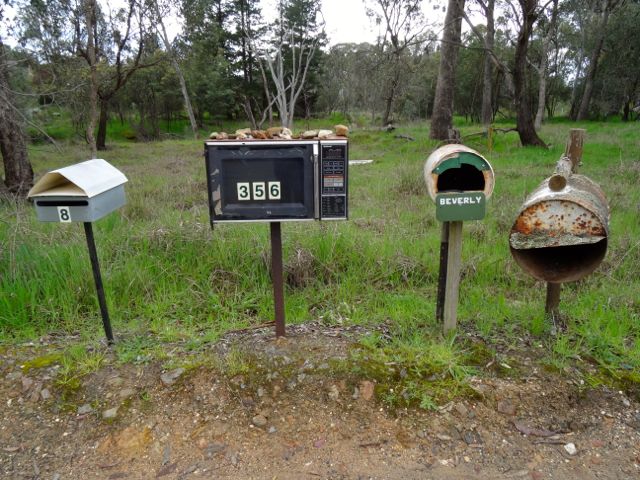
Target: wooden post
(276,278)
(574,147)
(442,276)
(552,305)
(452,290)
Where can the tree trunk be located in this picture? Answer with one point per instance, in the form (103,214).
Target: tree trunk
(90,22)
(544,66)
(585,103)
(18,174)
(391,94)
(442,118)
(487,80)
(178,70)
(526,129)
(101,140)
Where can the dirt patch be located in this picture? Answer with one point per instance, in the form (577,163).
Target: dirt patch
(283,412)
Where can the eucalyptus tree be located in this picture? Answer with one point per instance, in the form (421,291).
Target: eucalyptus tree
(526,13)
(286,58)
(110,43)
(18,174)
(548,31)
(158,11)
(442,118)
(403,27)
(205,53)
(602,9)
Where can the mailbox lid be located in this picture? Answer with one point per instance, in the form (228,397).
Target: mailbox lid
(84,179)
(457,168)
(75,208)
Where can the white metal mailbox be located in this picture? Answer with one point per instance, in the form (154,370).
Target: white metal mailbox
(84,192)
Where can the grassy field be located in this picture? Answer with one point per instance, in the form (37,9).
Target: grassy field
(169,278)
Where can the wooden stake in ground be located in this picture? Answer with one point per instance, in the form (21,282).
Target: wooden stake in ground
(452,289)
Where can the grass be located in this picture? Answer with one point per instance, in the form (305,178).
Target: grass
(170,279)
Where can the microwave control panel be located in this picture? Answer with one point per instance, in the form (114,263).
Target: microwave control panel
(334,165)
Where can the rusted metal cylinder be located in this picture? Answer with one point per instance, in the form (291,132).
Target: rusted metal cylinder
(456,168)
(561,236)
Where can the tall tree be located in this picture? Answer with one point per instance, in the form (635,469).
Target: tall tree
(288,57)
(605,7)
(90,11)
(528,14)
(543,66)
(159,9)
(486,115)
(442,118)
(18,174)
(110,43)
(403,26)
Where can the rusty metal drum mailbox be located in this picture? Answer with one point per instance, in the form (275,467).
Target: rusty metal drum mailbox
(459,180)
(561,235)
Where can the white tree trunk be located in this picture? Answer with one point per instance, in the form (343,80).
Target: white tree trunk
(542,69)
(176,66)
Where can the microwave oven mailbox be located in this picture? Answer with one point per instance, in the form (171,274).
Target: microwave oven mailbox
(277,180)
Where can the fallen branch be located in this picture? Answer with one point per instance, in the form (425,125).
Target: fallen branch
(405,137)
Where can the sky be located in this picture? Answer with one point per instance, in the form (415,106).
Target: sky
(346,20)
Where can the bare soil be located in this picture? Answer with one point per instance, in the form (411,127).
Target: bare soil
(290,416)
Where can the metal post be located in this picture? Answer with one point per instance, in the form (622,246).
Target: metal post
(552,304)
(454,261)
(442,276)
(93,255)
(276,277)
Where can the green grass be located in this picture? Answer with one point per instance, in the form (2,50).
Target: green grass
(169,278)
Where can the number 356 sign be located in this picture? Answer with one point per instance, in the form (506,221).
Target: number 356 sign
(258,191)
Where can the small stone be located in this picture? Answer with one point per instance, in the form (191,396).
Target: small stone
(171,377)
(272,429)
(213,135)
(110,414)
(334,393)
(462,410)
(626,402)
(85,409)
(126,393)
(14,376)
(341,130)
(115,381)
(309,134)
(27,383)
(356,393)
(232,457)
(259,134)
(274,132)
(45,394)
(506,407)
(367,390)
(324,133)
(259,421)
(261,392)
(571,449)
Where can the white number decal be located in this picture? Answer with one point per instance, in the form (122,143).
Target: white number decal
(64,214)
(274,190)
(244,193)
(258,191)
